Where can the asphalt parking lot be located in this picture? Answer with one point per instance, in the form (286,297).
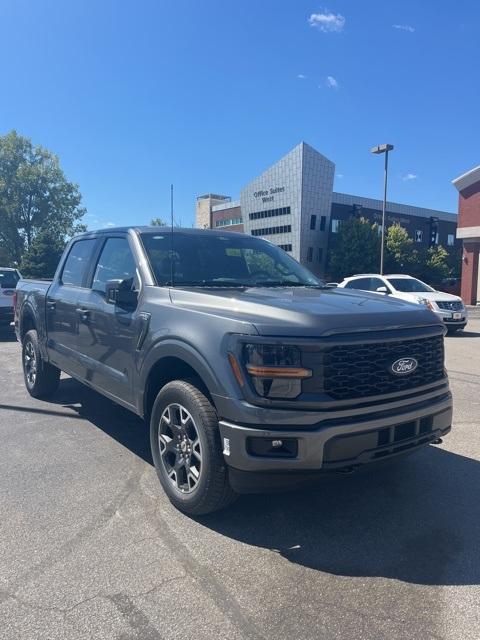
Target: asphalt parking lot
(91,548)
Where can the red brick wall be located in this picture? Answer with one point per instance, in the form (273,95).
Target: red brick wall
(225,214)
(471,252)
(469,206)
(469,216)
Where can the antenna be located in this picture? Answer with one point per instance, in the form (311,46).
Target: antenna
(171,235)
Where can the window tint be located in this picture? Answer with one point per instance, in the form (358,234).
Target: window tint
(360,283)
(8,279)
(77,262)
(375,283)
(116,262)
(222,260)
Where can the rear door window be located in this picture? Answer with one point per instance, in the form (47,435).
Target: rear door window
(360,283)
(78,262)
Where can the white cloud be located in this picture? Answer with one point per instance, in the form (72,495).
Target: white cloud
(327,21)
(339,175)
(409,176)
(404,27)
(301,76)
(111,224)
(331,82)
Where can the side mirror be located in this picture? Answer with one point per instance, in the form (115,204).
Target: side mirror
(382,289)
(120,292)
(331,285)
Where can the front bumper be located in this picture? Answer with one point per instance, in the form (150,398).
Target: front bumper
(337,444)
(447,317)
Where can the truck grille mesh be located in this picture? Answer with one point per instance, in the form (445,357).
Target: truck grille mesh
(359,371)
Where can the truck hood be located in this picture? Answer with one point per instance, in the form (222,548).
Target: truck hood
(292,311)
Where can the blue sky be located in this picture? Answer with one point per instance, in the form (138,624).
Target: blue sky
(207,94)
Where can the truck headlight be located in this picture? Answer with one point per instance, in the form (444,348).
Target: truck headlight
(275,370)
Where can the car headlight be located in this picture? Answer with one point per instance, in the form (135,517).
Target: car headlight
(427,303)
(275,371)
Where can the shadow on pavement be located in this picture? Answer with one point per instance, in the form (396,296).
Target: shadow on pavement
(417,520)
(118,423)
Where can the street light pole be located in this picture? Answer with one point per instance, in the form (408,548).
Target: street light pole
(383,148)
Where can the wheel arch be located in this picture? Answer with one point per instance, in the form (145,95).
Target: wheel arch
(174,361)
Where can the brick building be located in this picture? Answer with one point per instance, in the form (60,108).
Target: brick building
(468,232)
(293,205)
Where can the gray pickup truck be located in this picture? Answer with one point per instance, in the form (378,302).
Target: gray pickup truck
(252,374)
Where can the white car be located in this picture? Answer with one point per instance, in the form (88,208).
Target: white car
(447,307)
(8,282)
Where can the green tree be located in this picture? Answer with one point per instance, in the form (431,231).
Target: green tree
(34,196)
(436,265)
(356,250)
(159,222)
(43,256)
(400,254)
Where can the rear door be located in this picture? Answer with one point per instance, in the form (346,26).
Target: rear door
(107,332)
(62,314)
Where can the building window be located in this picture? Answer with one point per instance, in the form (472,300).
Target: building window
(323,220)
(285,247)
(268,231)
(269,213)
(320,254)
(310,254)
(313,222)
(335,225)
(228,221)
(418,235)
(450,240)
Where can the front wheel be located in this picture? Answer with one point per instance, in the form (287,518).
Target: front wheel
(186,450)
(41,378)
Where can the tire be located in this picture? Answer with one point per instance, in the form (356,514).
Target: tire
(41,378)
(186,450)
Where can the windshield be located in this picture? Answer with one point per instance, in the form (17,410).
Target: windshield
(8,279)
(230,260)
(409,285)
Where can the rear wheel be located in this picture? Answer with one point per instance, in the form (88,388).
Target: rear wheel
(186,450)
(41,378)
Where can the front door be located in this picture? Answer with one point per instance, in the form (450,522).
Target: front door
(108,333)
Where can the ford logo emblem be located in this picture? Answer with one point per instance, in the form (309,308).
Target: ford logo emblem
(403,366)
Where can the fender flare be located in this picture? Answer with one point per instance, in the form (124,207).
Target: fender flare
(174,348)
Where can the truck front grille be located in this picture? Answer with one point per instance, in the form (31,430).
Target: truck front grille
(362,370)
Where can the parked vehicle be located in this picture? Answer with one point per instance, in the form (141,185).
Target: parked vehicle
(252,374)
(449,308)
(8,281)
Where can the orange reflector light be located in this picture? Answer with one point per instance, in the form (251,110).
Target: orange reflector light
(237,372)
(278,372)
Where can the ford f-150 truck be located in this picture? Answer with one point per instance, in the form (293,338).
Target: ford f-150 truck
(252,374)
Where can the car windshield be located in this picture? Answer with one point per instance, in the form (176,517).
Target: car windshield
(229,260)
(409,285)
(8,279)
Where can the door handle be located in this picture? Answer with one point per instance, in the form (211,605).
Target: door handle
(51,306)
(84,314)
